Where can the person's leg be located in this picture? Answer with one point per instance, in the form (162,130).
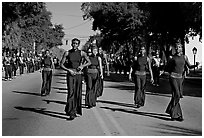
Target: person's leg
(49,82)
(20,69)
(137,90)
(78,94)
(88,90)
(6,72)
(153,73)
(70,107)
(10,72)
(143,87)
(175,108)
(44,83)
(95,83)
(157,76)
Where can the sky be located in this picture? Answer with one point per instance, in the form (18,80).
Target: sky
(69,14)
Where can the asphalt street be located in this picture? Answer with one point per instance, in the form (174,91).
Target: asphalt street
(26,113)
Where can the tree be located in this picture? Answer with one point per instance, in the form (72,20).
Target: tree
(33,23)
(117,22)
(170,22)
(135,24)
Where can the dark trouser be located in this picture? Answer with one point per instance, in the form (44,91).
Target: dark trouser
(156,72)
(28,67)
(31,67)
(46,82)
(174,108)
(21,67)
(74,96)
(140,85)
(8,71)
(14,69)
(100,84)
(91,89)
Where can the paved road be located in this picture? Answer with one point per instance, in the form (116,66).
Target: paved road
(26,113)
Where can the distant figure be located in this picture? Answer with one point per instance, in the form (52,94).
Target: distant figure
(156,67)
(21,63)
(14,65)
(139,73)
(175,68)
(7,67)
(47,70)
(72,63)
(56,61)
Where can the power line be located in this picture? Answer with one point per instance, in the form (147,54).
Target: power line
(72,15)
(77,25)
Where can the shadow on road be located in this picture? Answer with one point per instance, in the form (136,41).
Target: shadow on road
(116,78)
(175,130)
(116,103)
(44,112)
(59,102)
(30,93)
(60,75)
(54,101)
(154,115)
(61,82)
(59,88)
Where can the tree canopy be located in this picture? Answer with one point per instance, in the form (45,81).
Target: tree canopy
(26,23)
(137,23)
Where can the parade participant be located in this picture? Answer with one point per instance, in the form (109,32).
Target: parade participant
(14,65)
(176,67)
(32,64)
(139,73)
(92,78)
(56,61)
(7,67)
(28,61)
(104,58)
(104,64)
(21,63)
(156,67)
(47,70)
(74,68)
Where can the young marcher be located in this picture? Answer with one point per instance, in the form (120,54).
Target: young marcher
(7,67)
(21,63)
(156,67)
(71,62)
(175,68)
(14,65)
(105,65)
(47,70)
(138,71)
(94,72)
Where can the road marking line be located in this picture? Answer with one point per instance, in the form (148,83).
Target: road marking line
(115,123)
(101,122)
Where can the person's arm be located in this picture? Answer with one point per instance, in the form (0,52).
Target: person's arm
(130,74)
(87,63)
(188,63)
(100,66)
(131,68)
(42,65)
(53,65)
(107,65)
(62,64)
(150,69)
